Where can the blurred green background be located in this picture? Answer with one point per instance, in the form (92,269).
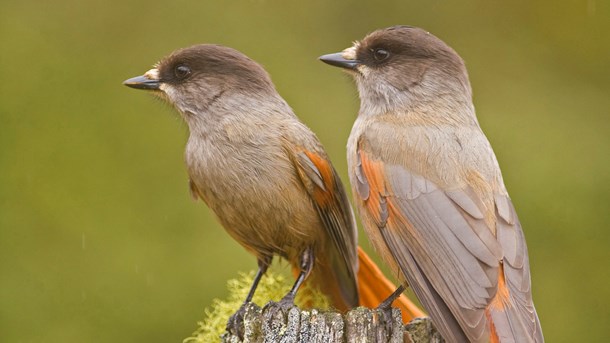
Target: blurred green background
(99,238)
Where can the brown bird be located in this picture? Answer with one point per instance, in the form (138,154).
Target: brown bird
(429,189)
(264,174)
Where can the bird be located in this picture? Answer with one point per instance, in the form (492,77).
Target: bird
(429,189)
(264,174)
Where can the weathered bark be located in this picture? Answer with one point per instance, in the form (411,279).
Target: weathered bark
(358,325)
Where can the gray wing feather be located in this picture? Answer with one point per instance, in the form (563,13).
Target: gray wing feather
(417,280)
(454,258)
(523,319)
(362,185)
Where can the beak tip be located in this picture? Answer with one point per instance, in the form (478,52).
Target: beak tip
(337,60)
(142,82)
(326,58)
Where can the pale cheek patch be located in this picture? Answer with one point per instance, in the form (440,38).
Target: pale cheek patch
(173,96)
(166,92)
(165,88)
(364,70)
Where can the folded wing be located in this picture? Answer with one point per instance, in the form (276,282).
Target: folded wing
(472,278)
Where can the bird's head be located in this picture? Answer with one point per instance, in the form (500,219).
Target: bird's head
(401,65)
(200,77)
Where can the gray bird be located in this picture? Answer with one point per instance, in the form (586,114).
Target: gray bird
(263,172)
(429,188)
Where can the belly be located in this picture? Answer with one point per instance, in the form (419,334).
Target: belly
(259,201)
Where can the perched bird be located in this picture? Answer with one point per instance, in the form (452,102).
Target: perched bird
(263,172)
(429,189)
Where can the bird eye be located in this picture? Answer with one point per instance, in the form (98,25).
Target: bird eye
(380,54)
(181,71)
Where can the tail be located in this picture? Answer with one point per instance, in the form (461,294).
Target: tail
(374,288)
(331,278)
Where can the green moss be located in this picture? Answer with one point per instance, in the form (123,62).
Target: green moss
(271,287)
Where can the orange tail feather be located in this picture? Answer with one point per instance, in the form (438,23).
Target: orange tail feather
(374,288)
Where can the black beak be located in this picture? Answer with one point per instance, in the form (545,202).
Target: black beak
(142,82)
(338,60)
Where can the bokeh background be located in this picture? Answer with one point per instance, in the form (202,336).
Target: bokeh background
(99,238)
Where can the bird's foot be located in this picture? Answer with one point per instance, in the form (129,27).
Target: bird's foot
(385,308)
(235,325)
(284,305)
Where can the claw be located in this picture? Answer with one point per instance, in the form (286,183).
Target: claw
(283,305)
(386,309)
(235,325)
(387,303)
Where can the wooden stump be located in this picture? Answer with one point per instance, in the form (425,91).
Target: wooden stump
(358,325)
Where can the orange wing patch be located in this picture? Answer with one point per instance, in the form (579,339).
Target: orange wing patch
(380,203)
(493,334)
(322,195)
(499,303)
(502,297)
(376,202)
